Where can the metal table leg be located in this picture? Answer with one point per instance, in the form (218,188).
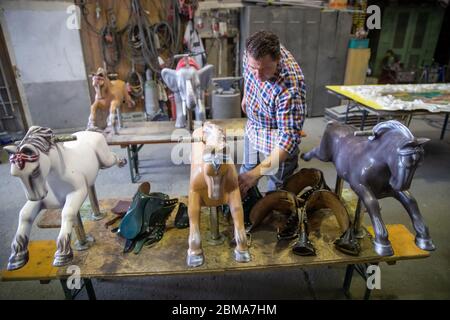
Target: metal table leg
(363,120)
(348,279)
(89,289)
(347,111)
(361,269)
(133,160)
(96,214)
(444,127)
(71,294)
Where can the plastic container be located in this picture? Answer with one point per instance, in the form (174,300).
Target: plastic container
(358,43)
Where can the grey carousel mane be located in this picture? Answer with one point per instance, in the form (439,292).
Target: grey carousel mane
(39,137)
(383,127)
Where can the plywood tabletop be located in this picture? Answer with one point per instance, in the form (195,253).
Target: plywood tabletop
(151,132)
(168,257)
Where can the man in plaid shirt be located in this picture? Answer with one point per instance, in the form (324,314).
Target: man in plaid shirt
(275,104)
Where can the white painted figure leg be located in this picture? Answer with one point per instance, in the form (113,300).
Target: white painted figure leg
(74,200)
(19,246)
(181,112)
(200,111)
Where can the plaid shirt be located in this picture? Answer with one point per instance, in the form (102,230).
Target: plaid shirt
(275,108)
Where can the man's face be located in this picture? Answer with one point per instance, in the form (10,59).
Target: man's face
(263,69)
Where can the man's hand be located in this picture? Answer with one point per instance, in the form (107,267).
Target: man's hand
(248,180)
(271,163)
(243,106)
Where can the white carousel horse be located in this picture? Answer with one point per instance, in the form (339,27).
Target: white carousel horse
(55,175)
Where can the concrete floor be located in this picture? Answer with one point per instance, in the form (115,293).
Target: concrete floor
(418,279)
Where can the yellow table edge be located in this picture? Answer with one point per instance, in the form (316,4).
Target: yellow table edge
(39,267)
(356,97)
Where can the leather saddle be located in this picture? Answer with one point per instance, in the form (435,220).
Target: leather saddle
(145,221)
(296,190)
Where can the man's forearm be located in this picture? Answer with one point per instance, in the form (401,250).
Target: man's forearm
(272,162)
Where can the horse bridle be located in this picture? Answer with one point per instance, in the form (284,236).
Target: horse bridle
(216,159)
(20,159)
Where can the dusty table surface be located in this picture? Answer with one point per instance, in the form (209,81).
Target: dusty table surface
(165,132)
(105,258)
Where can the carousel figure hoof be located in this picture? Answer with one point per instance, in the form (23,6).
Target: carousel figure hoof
(195,260)
(425,244)
(348,243)
(62,260)
(383,249)
(17,261)
(304,246)
(242,256)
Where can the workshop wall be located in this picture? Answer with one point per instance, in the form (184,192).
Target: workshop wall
(95,16)
(50,62)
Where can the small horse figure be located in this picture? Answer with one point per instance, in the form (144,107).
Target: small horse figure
(380,166)
(214,182)
(188,82)
(109,95)
(55,175)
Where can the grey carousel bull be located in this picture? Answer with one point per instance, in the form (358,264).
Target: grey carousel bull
(376,167)
(188,82)
(55,175)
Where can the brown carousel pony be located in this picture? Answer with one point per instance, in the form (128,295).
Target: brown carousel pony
(109,95)
(214,182)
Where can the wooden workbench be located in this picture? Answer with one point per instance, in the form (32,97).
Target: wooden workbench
(105,258)
(134,135)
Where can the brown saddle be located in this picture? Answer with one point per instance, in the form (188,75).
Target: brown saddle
(297,189)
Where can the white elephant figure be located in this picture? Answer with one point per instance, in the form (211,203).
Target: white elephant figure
(188,82)
(55,175)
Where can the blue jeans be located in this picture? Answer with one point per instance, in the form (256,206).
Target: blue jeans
(253,157)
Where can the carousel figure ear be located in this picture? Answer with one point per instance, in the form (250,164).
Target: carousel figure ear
(421,141)
(11,149)
(170,78)
(205,75)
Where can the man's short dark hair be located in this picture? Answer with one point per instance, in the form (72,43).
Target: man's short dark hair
(263,43)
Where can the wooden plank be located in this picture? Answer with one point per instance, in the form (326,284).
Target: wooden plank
(401,240)
(49,219)
(39,267)
(92,50)
(167,257)
(165,132)
(356,67)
